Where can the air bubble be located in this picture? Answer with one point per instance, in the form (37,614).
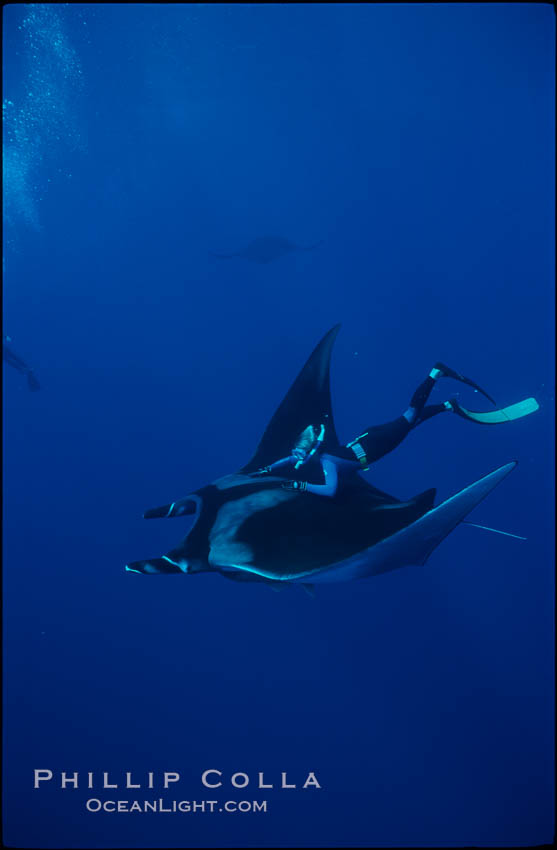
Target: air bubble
(42,120)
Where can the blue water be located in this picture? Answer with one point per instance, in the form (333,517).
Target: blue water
(417,141)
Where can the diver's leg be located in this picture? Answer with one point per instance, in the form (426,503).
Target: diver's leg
(444,371)
(379,440)
(432,410)
(417,403)
(420,396)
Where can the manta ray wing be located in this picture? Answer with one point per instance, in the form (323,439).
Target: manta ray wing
(308,401)
(414,543)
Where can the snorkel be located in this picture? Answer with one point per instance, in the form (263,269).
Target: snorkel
(316,446)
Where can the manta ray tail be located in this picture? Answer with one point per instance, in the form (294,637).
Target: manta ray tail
(496,530)
(312,247)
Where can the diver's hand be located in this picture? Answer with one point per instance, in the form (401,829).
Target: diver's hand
(299,457)
(264,470)
(295,485)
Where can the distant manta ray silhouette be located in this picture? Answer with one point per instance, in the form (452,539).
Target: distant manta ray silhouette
(266,248)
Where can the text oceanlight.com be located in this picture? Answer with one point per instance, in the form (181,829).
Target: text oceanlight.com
(175,806)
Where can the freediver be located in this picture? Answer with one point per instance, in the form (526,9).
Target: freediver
(379,440)
(12,359)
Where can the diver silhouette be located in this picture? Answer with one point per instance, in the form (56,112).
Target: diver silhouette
(12,359)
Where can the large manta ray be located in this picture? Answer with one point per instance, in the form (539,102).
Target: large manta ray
(251,529)
(266,248)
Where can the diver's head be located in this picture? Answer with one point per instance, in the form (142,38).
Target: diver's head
(308,438)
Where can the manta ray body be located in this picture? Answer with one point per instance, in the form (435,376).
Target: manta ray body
(267,248)
(251,529)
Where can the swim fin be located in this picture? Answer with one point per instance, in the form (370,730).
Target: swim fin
(450,373)
(494,417)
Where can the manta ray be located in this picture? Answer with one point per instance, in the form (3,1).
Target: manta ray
(252,529)
(267,248)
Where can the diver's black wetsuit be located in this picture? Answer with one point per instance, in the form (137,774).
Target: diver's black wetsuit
(379,440)
(369,447)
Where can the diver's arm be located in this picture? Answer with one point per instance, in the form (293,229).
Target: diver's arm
(330,472)
(328,489)
(282,462)
(267,470)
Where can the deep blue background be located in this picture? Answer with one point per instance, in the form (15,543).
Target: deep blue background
(417,141)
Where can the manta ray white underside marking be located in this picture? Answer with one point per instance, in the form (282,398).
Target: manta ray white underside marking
(223,547)
(410,546)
